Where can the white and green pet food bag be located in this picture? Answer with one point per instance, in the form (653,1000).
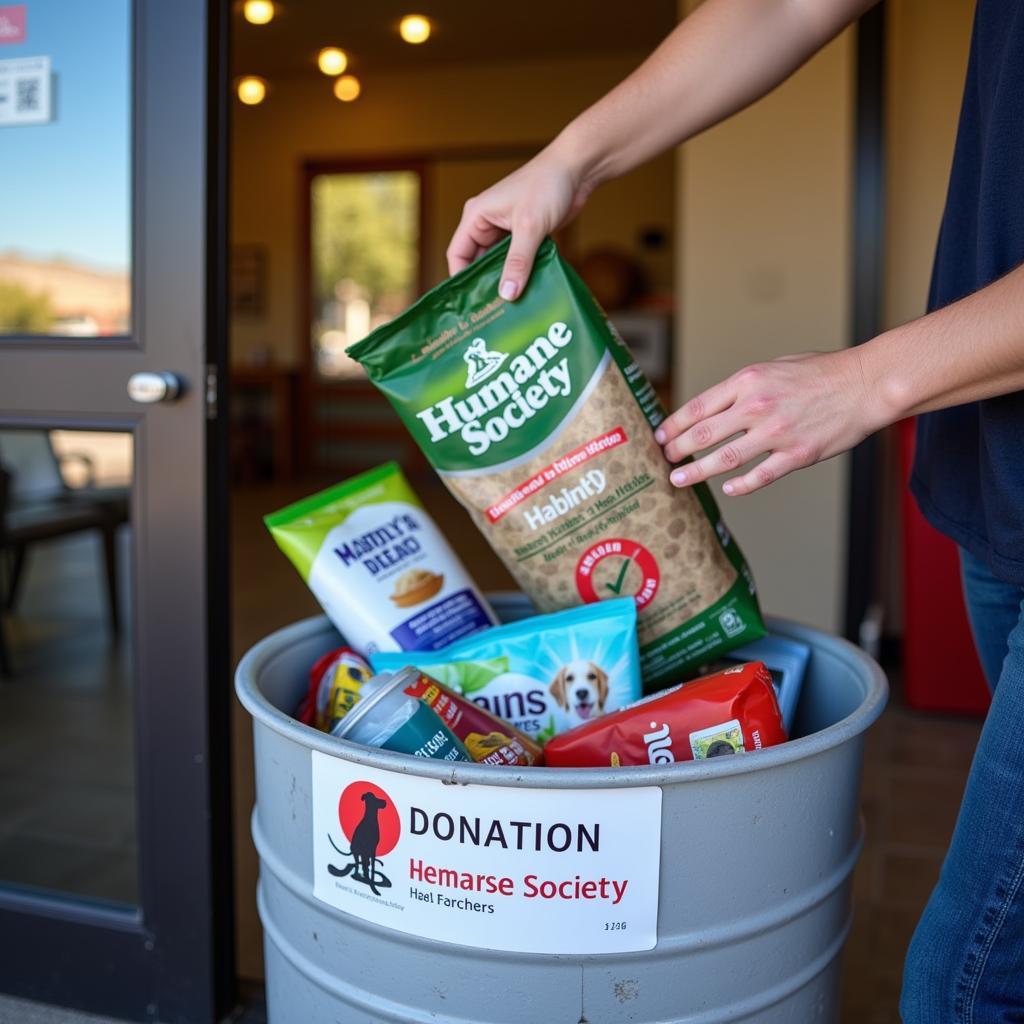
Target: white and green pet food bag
(379,566)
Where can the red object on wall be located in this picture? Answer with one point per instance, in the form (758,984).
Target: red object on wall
(12,24)
(940,664)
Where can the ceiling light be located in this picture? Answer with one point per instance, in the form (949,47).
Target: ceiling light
(414,28)
(347,88)
(332,61)
(258,12)
(251,90)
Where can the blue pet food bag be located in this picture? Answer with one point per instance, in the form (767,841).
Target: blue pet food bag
(544,674)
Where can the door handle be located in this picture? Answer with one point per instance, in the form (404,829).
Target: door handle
(148,388)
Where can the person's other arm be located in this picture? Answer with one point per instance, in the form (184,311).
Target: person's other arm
(727,54)
(800,410)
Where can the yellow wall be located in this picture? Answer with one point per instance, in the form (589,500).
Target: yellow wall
(763,269)
(927,48)
(463,108)
(927,62)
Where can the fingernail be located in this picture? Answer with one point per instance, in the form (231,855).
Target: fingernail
(679,477)
(659,436)
(728,488)
(508,290)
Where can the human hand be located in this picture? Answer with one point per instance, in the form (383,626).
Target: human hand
(797,410)
(531,202)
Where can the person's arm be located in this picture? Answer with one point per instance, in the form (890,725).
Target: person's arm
(800,410)
(727,54)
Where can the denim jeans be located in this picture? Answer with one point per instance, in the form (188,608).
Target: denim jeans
(966,960)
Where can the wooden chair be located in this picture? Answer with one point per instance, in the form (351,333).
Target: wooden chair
(37,505)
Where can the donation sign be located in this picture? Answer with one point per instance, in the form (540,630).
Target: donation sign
(517,869)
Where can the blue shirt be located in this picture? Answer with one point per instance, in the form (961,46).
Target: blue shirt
(968,475)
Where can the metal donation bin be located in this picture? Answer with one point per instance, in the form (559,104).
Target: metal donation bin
(395,888)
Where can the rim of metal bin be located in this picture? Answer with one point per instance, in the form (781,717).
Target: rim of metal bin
(259,657)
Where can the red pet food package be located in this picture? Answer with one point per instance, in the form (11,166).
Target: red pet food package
(334,684)
(730,712)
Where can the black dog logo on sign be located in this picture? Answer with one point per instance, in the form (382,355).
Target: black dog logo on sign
(369,840)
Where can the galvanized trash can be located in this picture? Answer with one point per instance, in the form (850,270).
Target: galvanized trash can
(700,893)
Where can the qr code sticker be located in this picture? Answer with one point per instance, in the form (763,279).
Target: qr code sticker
(26,95)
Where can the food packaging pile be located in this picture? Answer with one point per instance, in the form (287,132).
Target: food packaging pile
(539,421)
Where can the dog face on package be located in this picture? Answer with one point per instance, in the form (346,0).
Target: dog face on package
(580,690)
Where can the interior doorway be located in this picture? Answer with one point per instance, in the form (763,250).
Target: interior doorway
(341,210)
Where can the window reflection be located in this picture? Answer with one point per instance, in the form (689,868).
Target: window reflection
(67,750)
(65,176)
(365,259)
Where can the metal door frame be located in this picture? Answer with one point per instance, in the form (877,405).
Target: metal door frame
(171,958)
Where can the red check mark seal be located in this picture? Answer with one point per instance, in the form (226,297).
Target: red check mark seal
(623,553)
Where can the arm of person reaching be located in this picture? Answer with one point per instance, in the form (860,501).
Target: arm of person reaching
(721,58)
(799,410)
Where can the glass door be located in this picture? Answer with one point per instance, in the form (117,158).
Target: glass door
(114,863)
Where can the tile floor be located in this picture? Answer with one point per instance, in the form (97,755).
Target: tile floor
(914,774)
(24,1011)
(915,769)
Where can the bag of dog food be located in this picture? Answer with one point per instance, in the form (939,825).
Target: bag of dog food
(379,566)
(544,674)
(540,422)
(732,712)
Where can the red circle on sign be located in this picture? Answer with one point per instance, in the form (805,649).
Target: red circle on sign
(362,801)
(625,553)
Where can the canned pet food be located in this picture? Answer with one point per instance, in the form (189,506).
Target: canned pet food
(386,716)
(732,712)
(379,566)
(487,739)
(335,681)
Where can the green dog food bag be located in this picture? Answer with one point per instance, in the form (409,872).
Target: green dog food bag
(539,420)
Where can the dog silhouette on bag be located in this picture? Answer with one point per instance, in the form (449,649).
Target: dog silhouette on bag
(363,848)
